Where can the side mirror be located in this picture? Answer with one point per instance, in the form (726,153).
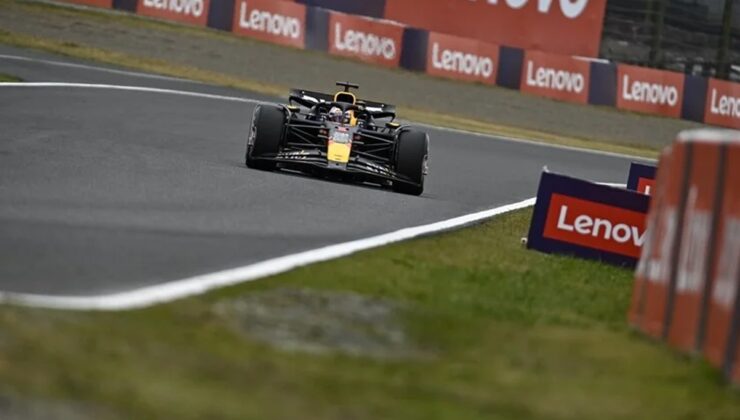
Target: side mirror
(293,108)
(392,125)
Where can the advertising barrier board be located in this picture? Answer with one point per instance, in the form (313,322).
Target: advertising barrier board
(370,40)
(655,232)
(695,251)
(194,12)
(723,104)
(577,217)
(564,26)
(106,4)
(641,178)
(723,311)
(461,58)
(650,91)
(279,22)
(658,263)
(555,76)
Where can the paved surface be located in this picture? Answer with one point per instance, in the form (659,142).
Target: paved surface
(104,191)
(246,58)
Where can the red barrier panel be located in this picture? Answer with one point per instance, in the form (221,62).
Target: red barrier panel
(693,260)
(194,12)
(659,266)
(461,58)
(279,22)
(106,4)
(723,103)
(649,90)
(725,271)
(370,40)
(565,27)
(555,76)
(652,236)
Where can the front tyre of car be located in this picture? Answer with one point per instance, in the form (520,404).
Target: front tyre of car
(412,152)
(265,135)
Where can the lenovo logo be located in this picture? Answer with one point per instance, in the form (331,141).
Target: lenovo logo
(550,78)
(595,225)
(363,43)
(651,93)
(586,225)
(569,8)
(723,105)
(459,62)
(193,8)
(270,23)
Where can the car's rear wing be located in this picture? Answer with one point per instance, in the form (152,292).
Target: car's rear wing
(309,98)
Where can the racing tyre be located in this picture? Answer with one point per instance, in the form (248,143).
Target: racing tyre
(265,136)
(412,152)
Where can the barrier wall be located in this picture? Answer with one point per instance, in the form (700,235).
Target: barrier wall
(279,22)
(465,47)
(686,283)
(555,76)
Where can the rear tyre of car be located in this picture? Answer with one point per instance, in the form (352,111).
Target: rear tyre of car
(412,152)
(265,136)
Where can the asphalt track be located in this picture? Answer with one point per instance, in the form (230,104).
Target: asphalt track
(105,191)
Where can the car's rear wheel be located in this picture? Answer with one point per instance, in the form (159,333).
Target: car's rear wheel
(265,136)
(412,152)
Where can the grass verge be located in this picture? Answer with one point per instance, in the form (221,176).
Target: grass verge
(192,73)
(8,78)
(500,333)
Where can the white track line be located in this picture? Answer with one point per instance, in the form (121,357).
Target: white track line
(95,68)
(129,88)
(192,286)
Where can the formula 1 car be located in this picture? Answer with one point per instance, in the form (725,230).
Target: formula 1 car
(339,136)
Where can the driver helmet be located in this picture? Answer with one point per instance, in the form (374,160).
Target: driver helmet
(335,114)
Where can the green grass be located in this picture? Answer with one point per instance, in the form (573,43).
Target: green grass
(501,332)
(9,78)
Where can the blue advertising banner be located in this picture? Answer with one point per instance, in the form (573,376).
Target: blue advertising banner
(641,178)
(581,218)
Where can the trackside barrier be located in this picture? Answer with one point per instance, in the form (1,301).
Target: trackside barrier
(106,4)
(193,12)
(641,178)
(686,283)
(455,46)
(279,22)
(366,39)
(581,218)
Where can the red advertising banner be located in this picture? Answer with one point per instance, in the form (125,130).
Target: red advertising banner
(649,90)
(107,4)
(194,12)
(725,270)
(370,40)
(461,58)
(723,104)
(637,306)
(555,76)
(694,253)
(657,264)
(595,225)
(564,27)
(279,22)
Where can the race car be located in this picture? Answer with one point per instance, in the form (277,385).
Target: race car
(341,137)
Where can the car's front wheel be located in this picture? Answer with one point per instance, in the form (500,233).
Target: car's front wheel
(265,136)
(412,153)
